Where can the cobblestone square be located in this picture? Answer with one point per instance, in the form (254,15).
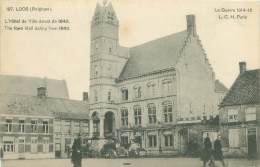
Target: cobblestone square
(145,162)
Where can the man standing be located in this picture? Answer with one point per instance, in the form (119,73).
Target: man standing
(218,154)
(1,156)
(207,152)
(76,156)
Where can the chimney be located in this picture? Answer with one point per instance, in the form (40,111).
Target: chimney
(242,67)
(85,96)
(42,92)
(191,24)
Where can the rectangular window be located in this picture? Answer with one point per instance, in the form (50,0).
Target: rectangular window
(168,140)
(9,125)
(138,115)
(152,113)
(76,127)
(167,112)
(67,127)
(232,115)
(250,114)
(124,117)
(21,126)
(85,126)
(152,141)
(8,146)
(34,126)
(57,127)
(45,126)
(233,137)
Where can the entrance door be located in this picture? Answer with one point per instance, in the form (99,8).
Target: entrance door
(183,140)
(252,146)
(57,150)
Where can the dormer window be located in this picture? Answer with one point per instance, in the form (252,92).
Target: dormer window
(167,86)
(137,91)
(124,94)
(151,88)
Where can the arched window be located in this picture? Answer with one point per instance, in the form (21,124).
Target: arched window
(137,115)
(152,113)
(124,116)
(167,111)
(96,122)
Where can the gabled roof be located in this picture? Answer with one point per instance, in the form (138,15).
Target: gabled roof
(245,90)
(154,56)
(23,85)
(45,106)
(220,87)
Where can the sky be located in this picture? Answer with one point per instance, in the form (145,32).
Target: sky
(65,54)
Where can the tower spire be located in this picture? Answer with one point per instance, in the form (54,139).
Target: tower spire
(104,2)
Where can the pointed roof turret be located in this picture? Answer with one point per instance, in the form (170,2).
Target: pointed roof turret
(105,14)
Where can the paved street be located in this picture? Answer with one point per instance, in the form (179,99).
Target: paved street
(146,162)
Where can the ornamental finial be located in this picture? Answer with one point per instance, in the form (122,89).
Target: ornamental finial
(104,2)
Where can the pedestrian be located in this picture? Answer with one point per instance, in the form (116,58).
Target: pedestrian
(76,156)
(1,156)
(218,154)
(1,153)
(207,152)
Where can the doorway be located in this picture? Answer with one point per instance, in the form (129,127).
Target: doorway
(252,144)
(109,124)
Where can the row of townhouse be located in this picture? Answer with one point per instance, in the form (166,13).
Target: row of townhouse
(38,122)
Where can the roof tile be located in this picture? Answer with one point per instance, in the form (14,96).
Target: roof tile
(245,90)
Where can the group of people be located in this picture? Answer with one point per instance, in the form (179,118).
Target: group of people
(211,154)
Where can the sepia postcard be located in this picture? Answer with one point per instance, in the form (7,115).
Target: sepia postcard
(129,83)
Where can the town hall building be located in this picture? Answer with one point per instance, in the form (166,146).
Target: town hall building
(150,92)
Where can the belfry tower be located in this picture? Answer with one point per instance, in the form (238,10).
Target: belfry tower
(104,67)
